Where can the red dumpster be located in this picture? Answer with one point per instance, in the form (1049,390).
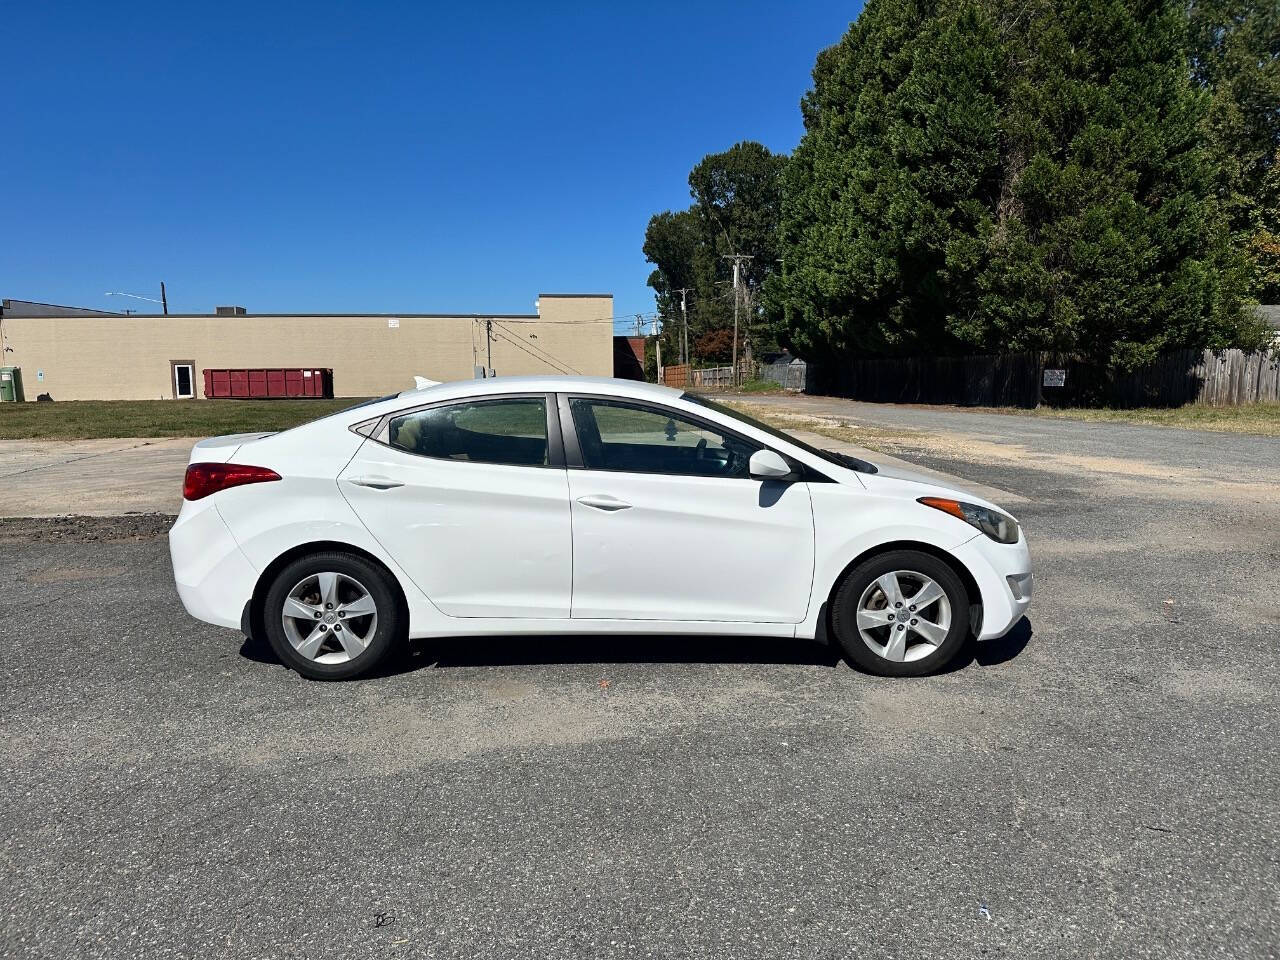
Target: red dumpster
(267,382)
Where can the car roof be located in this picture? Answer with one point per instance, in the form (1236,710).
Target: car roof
(495,386)
(543,384)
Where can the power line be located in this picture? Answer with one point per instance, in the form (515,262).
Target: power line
(551,358)
(549,362)
(535,352)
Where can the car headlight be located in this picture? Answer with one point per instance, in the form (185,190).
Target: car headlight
(1000,527)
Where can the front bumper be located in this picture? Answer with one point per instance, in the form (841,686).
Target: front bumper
(1003,573)
(214,578)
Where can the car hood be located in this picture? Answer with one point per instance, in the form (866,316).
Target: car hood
(910,485)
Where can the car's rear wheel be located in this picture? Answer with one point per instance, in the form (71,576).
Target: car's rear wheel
(901,614)
(332,616)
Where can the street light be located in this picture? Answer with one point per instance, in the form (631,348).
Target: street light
(163,301)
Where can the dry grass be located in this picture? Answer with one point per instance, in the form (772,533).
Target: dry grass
(1259,418)
(872,438)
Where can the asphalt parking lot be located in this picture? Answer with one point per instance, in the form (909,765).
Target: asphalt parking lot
(1103,782)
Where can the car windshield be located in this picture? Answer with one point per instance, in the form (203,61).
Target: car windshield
(831,456)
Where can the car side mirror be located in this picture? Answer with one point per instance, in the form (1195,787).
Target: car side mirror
(769,465)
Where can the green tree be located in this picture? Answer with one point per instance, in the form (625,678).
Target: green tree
(737,197)
(1113,244)
(1264,241)
(1235,57)
(671,244)
(889,198)
(994,175)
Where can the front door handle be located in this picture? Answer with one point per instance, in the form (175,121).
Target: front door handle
(602,501)
(376,483)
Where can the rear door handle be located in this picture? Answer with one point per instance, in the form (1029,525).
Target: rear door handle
(376,483)
(602,501)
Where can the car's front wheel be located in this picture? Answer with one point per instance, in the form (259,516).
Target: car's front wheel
(332,616)
(901,614)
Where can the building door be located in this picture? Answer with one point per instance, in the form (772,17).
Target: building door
(183,378)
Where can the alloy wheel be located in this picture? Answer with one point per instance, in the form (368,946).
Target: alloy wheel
(329,617)
(903,616)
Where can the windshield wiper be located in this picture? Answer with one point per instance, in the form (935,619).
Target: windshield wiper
(853,463)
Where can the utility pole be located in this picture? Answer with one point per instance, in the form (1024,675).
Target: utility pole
(164,301)
(657,346)
(737,259)
(684,315)
(488,345)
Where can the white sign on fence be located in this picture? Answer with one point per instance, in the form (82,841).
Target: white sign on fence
(1055,378)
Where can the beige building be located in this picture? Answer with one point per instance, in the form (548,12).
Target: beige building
(74,355)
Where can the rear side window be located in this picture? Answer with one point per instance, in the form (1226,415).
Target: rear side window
(637,438)
(507,431)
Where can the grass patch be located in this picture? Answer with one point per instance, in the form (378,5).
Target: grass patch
(1259,418)
(97,419)
(760,386)
(747,386)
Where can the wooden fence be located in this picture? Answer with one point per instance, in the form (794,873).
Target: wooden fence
(1222,378)
(676,375)
(1233,378)
(681,375)
(793,375)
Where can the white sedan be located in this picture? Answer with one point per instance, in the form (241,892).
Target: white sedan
(554,505)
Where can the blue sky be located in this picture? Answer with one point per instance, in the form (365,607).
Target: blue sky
(384,157)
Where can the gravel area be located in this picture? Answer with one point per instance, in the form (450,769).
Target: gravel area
(1100,783)
(76,529)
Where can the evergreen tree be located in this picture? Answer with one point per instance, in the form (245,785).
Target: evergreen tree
(1264,241)
(1235,56)
(1113,245)
(888,199)
(997,175)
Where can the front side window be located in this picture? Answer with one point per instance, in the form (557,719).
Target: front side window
(615,435)
(508,431)
(831,456)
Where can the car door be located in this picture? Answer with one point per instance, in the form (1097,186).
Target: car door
(471,498)
(669,525)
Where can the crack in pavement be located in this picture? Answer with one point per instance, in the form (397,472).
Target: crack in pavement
(87,456)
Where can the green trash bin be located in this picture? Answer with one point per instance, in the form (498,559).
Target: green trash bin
(11,385)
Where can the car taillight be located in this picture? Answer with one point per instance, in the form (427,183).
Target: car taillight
(203,479)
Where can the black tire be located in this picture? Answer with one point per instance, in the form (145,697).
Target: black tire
(387,635)
(856,582)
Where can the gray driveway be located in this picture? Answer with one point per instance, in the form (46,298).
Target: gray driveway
(1216,455)
(1100,783)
